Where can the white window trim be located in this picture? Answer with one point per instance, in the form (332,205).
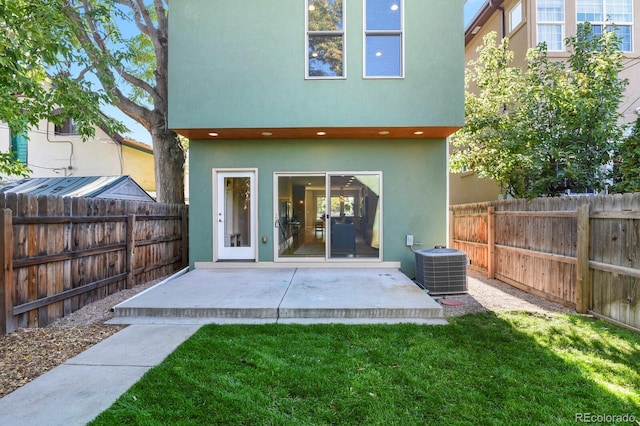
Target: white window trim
(366,32)
(513,27)
(327,259)
(561,23)
(629,24)
(342,33)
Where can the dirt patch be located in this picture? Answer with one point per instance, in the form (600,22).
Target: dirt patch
(493,295)
(29,352)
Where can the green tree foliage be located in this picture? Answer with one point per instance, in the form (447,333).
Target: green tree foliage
(489,142)
(35,49)
(558,126)
(67,58)
(124,44)
(627,168)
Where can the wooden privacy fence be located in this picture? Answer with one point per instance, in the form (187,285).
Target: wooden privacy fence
(59,254)
(583,252)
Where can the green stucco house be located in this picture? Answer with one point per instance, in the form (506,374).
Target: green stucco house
(318,128)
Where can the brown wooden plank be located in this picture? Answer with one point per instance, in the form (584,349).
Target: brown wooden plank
(7,321)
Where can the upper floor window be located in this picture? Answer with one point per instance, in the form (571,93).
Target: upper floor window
(515,16)
(67,128)
(383,38)
(325,39)
(618,12)
(550,23)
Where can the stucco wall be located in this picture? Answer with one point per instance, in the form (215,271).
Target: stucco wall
(241,64)
(414,186)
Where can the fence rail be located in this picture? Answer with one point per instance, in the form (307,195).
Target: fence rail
(583,252)
(59,254)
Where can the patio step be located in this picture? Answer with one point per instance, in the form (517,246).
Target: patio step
(304,296)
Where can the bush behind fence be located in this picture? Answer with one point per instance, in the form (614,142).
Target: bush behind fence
(60,254)
(583,252)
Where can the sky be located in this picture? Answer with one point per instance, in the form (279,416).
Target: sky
(140,134)
(471,7)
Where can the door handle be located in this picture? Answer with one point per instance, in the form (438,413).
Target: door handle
(220,220)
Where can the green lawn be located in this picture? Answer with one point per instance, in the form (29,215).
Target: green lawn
(505,368)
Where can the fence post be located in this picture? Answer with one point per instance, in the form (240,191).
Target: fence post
(7,322)
(583,281)
(131,246)
(452,228)
(491,242)
(184,226)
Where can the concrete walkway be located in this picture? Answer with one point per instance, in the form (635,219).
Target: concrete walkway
(164,316)
(75,392)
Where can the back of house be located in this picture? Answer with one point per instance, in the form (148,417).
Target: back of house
(318,128)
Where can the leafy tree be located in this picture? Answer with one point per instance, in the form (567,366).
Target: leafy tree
(32,85)
(95,52)
(558,124)
(627,167)
(571,112)
(489,142)
(124,43)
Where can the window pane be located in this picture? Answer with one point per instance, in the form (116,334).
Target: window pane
(619,11)
(325,15)
(325,56)
(383,55)
(552,35)
(624,32)
(515,16)
(384,15)
(590,11)
(550,11)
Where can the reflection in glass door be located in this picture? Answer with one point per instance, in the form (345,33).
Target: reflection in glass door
(354,224)
(336,216)
(300,224)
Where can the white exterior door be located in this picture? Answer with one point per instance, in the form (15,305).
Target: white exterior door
(235,215)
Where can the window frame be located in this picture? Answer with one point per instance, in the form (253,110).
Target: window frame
(561,24)
(68,128)
(603,24)
(513,26)
(367,32)
(332,33)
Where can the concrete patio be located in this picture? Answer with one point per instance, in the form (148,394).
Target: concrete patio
(283,295)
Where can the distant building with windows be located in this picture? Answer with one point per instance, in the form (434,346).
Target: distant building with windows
(529,22)
(58,151)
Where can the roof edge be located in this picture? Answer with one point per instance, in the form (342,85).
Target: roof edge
(481,18)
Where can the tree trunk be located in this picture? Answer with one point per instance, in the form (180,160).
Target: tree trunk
(169,160)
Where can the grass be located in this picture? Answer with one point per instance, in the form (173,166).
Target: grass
(506,368)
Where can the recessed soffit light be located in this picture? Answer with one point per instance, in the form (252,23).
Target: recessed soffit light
(383,132)
(213,134)
(321,133)
(267,134)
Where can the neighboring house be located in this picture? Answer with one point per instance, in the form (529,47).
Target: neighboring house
(318,129)
(111,187)
(527,23)
(52,151)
